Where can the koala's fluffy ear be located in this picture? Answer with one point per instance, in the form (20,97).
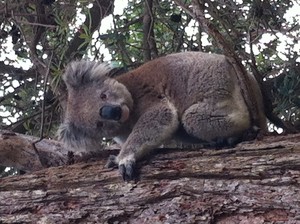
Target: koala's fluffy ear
(82,72)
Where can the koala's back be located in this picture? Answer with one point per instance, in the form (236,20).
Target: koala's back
(184,78)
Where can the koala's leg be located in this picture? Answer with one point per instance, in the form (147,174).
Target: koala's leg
(218,124)
(154,127)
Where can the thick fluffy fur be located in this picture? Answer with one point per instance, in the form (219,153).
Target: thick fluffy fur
(193,92)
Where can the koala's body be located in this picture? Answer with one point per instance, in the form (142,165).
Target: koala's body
(195,93)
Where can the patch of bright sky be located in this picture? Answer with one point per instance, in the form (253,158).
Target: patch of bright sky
(11,55)
(106,24)
(292,14)
(6,57)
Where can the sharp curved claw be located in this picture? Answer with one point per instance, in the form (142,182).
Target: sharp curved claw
(126,168)
(122,171)
(127,171)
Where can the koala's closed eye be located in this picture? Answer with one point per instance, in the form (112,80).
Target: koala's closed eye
(103,96)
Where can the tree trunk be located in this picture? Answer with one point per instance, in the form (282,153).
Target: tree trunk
(255,182)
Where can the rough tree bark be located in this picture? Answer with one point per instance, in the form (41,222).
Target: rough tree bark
(255,182)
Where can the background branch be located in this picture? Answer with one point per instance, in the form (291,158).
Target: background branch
(149,45)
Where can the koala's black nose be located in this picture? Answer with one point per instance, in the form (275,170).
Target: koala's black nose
(111,112)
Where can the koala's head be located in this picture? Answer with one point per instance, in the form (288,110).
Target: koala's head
(97,105)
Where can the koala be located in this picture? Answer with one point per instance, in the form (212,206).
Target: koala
(191,94)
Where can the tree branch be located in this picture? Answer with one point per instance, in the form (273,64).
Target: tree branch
(149,44)
(257,182)
(17,150)
(29,153)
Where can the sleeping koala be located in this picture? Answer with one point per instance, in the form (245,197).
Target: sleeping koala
(192,92)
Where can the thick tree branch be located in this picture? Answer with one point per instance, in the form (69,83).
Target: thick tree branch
(256,182)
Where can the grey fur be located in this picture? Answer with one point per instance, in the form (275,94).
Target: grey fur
(194,92)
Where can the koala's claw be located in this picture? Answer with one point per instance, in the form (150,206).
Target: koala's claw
(127,171)
(111,162)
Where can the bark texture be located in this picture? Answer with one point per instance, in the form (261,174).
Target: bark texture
(255,182)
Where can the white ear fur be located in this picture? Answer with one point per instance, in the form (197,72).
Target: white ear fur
(99,70)
(82,72)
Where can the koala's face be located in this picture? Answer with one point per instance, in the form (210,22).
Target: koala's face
(96,108)
(99,109)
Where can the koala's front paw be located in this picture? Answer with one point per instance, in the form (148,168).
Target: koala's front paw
(126,166)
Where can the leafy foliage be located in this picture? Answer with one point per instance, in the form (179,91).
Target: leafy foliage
(38,38)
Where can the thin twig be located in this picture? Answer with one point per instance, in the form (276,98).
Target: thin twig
(36,24)
(44,96)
